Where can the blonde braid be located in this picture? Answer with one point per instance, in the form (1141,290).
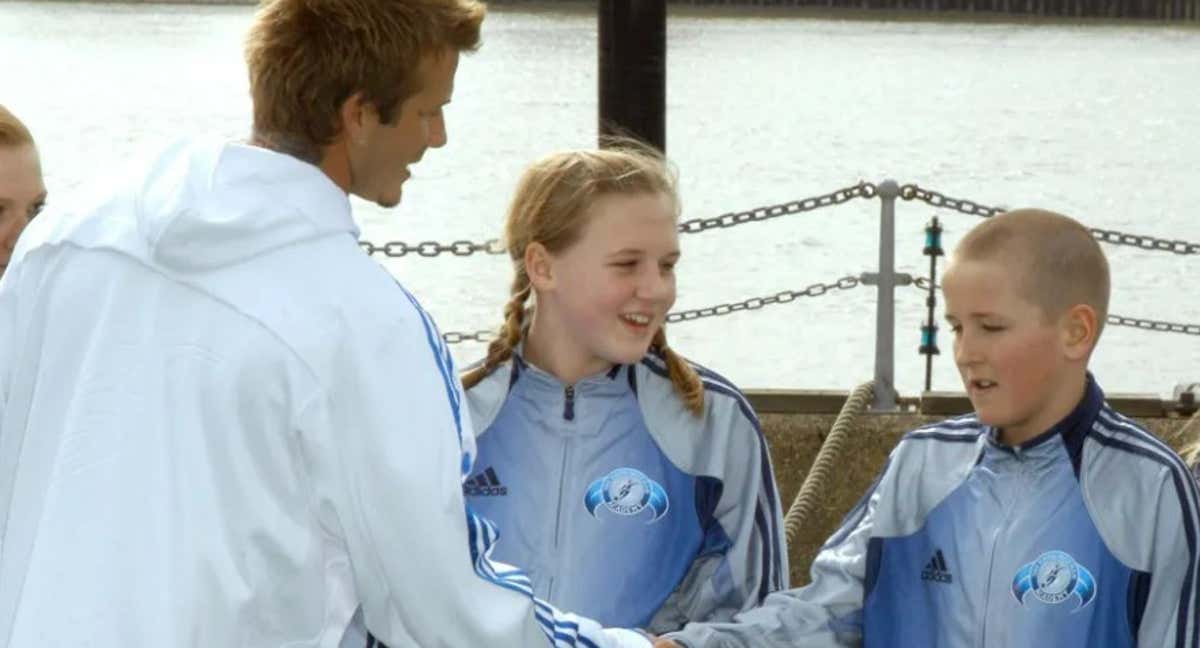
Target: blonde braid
(683,377)
(501,349)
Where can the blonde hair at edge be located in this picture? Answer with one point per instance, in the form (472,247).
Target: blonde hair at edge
(12,132)
(550,207)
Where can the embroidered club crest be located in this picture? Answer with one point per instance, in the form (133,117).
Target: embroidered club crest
(627,492)
(1053,578)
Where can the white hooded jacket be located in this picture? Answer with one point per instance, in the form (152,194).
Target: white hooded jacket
(222,424)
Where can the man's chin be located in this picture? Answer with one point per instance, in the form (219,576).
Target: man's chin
(388,202)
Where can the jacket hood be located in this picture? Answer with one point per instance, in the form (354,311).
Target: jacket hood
(204,205)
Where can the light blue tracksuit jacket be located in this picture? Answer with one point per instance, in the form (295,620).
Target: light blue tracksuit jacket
(620,503)
(1085,536)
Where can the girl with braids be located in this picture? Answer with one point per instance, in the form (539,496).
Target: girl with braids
(634,486)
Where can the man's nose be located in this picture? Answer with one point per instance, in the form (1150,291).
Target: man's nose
(437,132)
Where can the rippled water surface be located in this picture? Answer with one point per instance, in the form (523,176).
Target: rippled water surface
(1099,121)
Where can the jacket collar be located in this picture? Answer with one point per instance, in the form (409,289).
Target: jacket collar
(1068,434)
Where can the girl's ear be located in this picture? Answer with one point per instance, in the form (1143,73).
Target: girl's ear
(539,266)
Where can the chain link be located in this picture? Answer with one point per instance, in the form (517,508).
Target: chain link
(1145,242)
(942,201)
(1154,325)
(455,337)
(397,249)
(733,219)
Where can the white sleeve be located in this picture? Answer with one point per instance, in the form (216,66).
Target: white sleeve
(387,461)
(9,345)
(8,325)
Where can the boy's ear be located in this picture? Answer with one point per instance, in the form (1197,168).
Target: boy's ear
(1080,328)
(539,266)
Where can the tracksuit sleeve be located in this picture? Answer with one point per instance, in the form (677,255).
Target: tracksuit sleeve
(744,555)
(825,613)
(1172,608)
(387,461)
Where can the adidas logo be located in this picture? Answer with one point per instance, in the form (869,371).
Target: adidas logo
(484,484)
(936,570)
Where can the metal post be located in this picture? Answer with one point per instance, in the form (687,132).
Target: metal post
(929,347)
(633,70)
(885,306)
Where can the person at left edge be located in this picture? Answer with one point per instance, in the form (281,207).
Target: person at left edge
(22,191)
(222,424)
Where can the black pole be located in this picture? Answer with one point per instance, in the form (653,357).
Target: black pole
(633,70)
(929,348)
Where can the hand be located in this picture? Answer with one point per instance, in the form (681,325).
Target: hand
(664,642)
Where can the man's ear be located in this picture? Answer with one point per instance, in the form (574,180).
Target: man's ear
(1080,329)
(539,266)
(354,117)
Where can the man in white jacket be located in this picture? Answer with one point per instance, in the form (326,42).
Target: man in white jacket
(222,424)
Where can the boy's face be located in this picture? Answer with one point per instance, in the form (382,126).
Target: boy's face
(1012,358)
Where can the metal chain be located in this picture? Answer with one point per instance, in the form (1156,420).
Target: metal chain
(464,248)
(733,219)
(1145,242)
(754,303)
(818,289)
(455,337)
(913,192)
(922,283)
(433,248)
(1154,325)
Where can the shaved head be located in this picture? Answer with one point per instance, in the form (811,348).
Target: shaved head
(1054,259)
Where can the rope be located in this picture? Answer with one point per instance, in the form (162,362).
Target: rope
(1190,433)
(827,457)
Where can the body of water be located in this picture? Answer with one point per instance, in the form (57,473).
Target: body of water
(1101,122)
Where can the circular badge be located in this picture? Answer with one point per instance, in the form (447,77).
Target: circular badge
(626,491)
(1054,576)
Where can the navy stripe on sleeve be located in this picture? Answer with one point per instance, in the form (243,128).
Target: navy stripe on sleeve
(773,576)
(1185,490)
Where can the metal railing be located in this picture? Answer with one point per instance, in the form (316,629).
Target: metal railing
(884,278)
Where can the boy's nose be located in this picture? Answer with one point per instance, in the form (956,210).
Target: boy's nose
(966,351)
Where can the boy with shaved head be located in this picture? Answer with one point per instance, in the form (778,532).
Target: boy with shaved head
(1044,518)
